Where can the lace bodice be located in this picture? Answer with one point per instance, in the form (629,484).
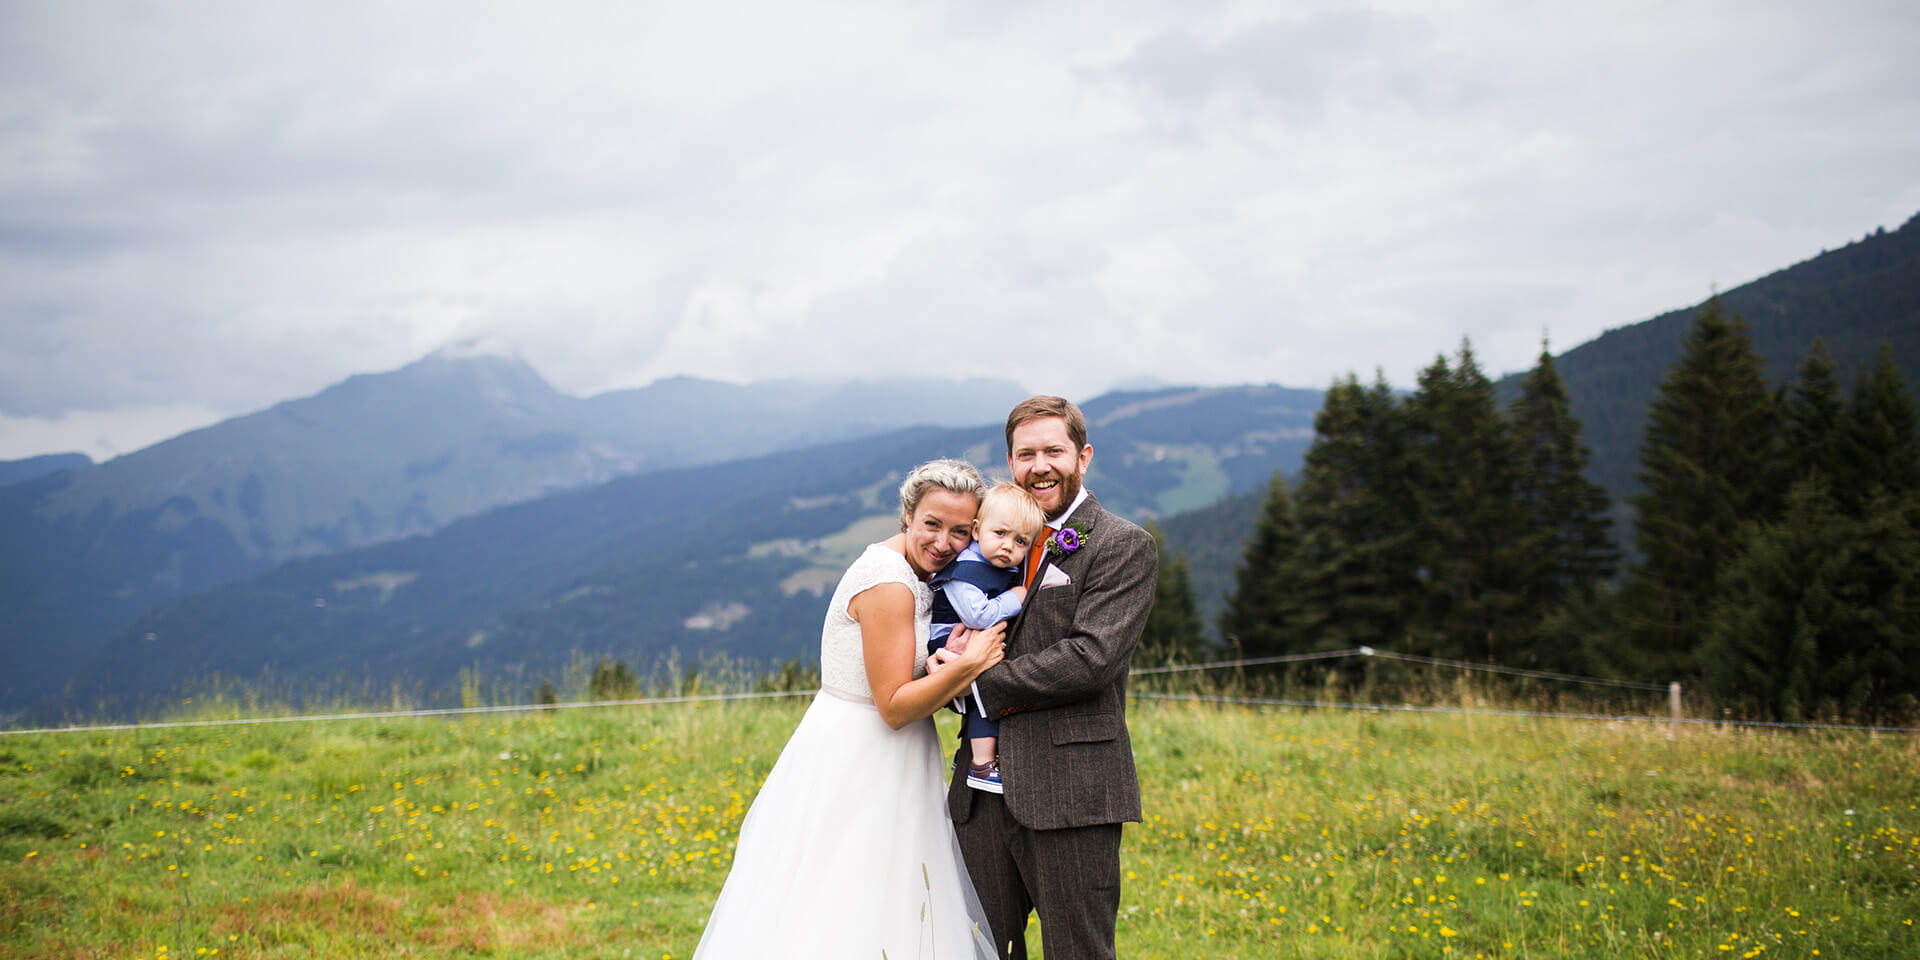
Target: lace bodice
(843,664)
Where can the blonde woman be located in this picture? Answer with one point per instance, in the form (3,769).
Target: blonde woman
(847,850)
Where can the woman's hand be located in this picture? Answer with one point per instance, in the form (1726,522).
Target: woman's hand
(885,613)
(984,648)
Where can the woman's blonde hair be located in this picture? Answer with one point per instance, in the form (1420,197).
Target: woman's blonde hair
(956,476)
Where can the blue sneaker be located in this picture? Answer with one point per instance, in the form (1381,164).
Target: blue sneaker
(985,778)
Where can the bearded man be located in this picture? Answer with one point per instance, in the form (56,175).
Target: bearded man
(1050,842)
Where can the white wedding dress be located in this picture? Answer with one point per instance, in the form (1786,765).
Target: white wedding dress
(848,852)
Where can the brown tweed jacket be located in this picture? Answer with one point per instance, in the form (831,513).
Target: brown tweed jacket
(1061,693)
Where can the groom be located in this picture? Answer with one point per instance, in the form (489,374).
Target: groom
(1051,842)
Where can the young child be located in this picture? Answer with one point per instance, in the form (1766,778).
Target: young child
(980,588)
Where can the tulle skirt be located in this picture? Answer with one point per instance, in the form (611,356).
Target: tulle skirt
(848,851)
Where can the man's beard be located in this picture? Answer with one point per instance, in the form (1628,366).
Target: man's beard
(1068,488)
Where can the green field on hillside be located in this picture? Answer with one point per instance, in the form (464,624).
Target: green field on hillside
(606,832)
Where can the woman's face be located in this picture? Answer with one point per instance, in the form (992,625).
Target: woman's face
(941,527)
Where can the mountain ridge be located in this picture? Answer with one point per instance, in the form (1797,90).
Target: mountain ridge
(374,458)
(730,557)
(1854,297)
(35,467)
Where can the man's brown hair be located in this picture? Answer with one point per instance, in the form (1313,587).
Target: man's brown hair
(1036,408)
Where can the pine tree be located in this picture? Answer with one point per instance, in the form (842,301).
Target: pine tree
(1357,568)
(612,680)
(1774,643)
(1264,613)
(1877,483)
(1567,546)
(1812,417)
(1467,526)
(1879,446)
(1173,633)
(1880,639)
(1708,464)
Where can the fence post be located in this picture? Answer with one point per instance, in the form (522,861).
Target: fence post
(1673,707)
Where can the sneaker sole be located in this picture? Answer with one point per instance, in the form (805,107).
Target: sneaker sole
(989,786)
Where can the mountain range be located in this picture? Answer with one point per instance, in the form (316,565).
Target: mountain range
(461,514)
(731,557)
(372,459)
(386,458)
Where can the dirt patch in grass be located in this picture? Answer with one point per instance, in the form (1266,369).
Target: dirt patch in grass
(25,900)
(347,912)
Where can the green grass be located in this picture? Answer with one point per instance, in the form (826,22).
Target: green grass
(1202,481)
(1269,832)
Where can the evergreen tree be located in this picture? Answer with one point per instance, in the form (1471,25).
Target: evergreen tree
(1877,482)
(1818,617)
(1460,456)
(1357,568)
(1777,618)
(1582,634)
(1264,612)
(1880,639)
(1707,465)
(612,680)
(1879,446)
(1567,548)
(1173,633)
(1812,417)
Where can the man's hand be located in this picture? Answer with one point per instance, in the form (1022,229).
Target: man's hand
(981,648)
(957,640)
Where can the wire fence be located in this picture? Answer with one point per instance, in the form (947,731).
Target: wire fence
(1408,657)
(1539,714)
(1672,689)
(413,714)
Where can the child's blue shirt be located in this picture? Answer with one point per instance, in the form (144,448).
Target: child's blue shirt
(972,591)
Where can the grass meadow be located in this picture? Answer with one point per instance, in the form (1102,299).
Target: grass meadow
(1270,832)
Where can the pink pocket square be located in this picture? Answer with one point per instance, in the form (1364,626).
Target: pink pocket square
(1054,577)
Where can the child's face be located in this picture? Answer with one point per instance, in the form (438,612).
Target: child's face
(1002,541)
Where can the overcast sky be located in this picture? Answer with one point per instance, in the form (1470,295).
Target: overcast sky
(206,208)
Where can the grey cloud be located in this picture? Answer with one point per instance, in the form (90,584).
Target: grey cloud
(225,205)
(1291,68)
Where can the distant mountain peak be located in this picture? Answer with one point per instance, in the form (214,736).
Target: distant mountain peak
(482,347)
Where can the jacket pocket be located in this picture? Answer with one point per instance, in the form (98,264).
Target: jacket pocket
(1057,593)
(1085,728)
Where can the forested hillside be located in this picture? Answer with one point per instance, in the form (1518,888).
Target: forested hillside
(1776,543)
(1855,298)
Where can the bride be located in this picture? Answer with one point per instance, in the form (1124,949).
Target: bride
(847,851)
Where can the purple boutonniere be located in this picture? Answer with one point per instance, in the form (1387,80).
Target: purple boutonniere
(1065,541)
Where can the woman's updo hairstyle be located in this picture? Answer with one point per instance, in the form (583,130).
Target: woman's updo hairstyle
(956,476)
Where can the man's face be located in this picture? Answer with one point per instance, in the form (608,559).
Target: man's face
(1044,461)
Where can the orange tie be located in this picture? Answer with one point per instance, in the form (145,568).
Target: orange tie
(1037,551)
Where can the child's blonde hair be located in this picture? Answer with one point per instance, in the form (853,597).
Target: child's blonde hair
(1020,507)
